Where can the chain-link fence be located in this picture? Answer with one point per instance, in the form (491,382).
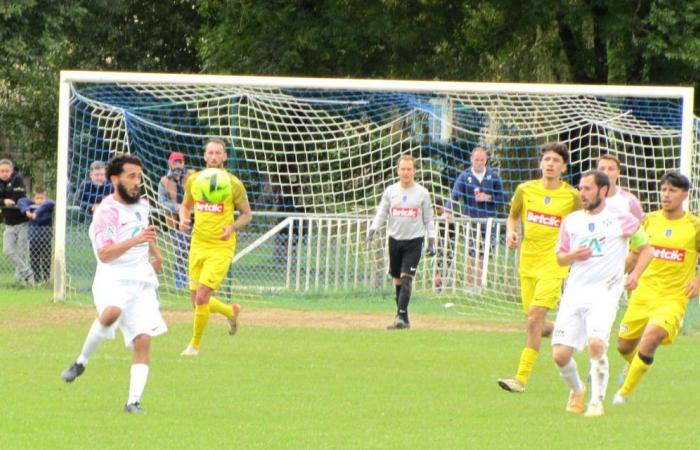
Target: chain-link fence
(26,255)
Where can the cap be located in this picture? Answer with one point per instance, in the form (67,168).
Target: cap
(176,156)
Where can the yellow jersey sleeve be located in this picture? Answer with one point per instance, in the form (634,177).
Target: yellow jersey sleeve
(188,187)
(542,213)
(516,204)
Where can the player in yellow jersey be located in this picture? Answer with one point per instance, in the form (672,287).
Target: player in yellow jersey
(213,245)
(657,306)
(541,206)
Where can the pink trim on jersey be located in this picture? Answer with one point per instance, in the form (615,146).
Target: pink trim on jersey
(635,206)
(564,238)
(105,223)
(629,224)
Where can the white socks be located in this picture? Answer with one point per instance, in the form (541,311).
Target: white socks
(570,375)
(600,374)
(96,335)
(139,375)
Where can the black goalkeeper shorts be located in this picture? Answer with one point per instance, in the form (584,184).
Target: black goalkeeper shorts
(404,256)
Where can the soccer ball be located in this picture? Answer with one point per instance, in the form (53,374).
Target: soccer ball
(212,185)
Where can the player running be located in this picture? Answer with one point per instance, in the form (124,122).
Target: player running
(657,306)
(540,205)
(594,242)
(124,288)
(213,244)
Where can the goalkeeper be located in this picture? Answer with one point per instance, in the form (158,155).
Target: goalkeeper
(410,212)
(213,244)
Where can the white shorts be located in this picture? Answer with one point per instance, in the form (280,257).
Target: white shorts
(139,304)
(584,316)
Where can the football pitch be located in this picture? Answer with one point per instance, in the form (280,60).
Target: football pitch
(307,378)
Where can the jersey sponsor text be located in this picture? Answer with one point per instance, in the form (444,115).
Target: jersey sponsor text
(544,219)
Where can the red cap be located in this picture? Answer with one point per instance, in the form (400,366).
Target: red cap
(176,156)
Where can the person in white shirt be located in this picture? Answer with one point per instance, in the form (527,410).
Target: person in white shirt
(409,209)
(594,241)
(618,198)
(125,284)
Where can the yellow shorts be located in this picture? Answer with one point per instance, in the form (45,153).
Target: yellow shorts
(666,314)
(544,292)
(209,266)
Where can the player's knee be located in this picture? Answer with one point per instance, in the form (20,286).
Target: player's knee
(561,356)
(406,281)
(596,347)
(110,315)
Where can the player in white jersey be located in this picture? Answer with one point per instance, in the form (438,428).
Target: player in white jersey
(594,242)
(124,288)
(618,198)
(410,212)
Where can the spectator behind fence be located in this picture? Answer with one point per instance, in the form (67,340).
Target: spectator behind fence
(40,214)
(14,240)
(171,191)
(93,190)
(479,193)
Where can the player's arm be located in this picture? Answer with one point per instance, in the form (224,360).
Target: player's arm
(380,217)
(245,216)
(156,258)
(185,212)
(566,255)
(644,257)
(516,206)
(110,250)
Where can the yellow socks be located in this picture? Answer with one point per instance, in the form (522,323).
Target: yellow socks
(636,371)
(527,362)
(219,307)
(201,318)
(630,356)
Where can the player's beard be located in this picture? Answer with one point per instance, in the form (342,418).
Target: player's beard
(128,198)
(593,204)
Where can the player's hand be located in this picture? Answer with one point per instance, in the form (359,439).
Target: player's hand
(512,239)
(9,202)
(631,282)
(691,290)
(430,251)
(148,234)
(227,233)
(370,236)
(184,225)
(581,253)
(447,215)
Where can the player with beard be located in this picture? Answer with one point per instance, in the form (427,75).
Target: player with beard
(594,242)
(124,288)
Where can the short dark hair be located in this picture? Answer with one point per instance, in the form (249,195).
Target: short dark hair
(600,178)
(40,190)
(676,179)
(116,165)
(557,147)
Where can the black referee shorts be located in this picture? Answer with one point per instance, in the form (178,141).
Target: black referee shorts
(404,256)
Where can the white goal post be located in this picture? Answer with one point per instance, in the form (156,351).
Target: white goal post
(315,154)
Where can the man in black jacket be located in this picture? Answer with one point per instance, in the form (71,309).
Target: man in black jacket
(15,244)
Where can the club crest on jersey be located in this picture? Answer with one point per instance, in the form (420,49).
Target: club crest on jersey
(138,216)
(216,208)
(404,198)
(547,200)
(591,227)
(668,232)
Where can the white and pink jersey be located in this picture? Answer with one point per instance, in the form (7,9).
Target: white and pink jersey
(607,235)
(625,201)
(114,222)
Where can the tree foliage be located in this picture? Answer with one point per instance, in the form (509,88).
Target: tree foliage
(572,41)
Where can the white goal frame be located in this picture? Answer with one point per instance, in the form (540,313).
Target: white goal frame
(685,94)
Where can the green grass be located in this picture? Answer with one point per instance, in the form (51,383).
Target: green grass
(313,388)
